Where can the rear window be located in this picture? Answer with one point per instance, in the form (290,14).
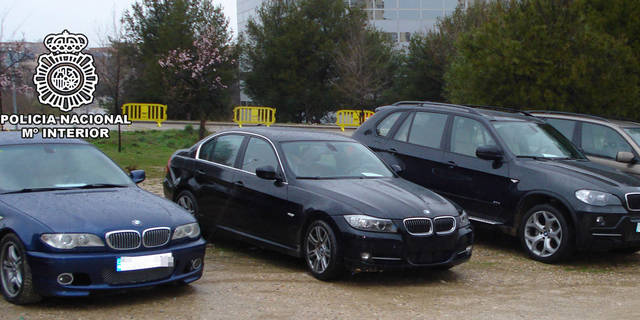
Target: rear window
(427,129)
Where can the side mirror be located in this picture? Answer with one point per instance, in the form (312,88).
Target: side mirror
(397,168)
(489,153)
(137,175)
(267,173)
(625,157)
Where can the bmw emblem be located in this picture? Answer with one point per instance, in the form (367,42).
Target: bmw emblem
(426,211)
(136,222)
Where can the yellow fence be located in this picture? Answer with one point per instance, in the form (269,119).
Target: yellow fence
(254,115)
(145,111)
(352,118)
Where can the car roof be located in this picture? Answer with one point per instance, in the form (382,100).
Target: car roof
(15,138)
(585,117)
(486,112)
(280,134)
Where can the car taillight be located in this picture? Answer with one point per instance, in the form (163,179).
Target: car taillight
(166,169)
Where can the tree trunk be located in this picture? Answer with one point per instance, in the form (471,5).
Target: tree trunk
(203,129)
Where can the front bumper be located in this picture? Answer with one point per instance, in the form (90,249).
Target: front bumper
(402,250)
(603,231)
(97,271)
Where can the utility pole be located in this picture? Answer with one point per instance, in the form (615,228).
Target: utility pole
(13,99)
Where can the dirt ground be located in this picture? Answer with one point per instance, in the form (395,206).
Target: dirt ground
(499,282)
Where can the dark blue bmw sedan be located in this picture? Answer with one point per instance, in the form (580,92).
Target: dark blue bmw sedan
(72,223)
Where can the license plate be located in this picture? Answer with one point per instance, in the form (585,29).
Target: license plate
(637,226)
(144,262)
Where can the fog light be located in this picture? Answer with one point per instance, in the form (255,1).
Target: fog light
(196,263)
(469,249)
(600,221)
(65,279)
(365,256)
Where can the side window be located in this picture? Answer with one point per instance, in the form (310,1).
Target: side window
(222,150)
(467,135)
(427,129)
(602,141)
(385,125)
(566,127)
(403,132)
(259,153)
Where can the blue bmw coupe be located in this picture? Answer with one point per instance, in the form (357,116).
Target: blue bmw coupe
(72,223)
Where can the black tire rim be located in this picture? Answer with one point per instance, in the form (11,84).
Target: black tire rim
(318,248)
(12,277)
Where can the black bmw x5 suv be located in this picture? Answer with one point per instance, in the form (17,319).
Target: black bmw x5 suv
(510,170)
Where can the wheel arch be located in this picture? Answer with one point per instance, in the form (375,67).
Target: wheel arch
(534,198)
(312,216)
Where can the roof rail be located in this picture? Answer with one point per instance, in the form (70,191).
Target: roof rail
(504,109)
(569,114)
(431,103)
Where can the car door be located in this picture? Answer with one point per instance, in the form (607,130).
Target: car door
(601,144)
(480,186)
(378,140)
(215,175)
(264,202)
(417,145)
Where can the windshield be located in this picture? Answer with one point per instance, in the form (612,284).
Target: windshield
(634,132)
(333,160)
(43,166)
(535,140)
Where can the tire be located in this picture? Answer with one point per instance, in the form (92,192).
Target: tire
(630,250)
(322,251)
(545,234)
(16,280)
(188,201)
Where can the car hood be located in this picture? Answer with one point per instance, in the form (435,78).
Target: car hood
(98,210)
(599,176)
(393,198)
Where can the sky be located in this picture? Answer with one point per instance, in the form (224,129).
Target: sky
(32,20)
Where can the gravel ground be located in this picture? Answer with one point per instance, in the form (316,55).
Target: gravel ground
(499,282)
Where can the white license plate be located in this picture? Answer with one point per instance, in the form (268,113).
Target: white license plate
(144,262)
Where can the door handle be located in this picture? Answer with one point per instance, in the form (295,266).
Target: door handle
(239,183)
(200,172)
(452,164)
(392,150)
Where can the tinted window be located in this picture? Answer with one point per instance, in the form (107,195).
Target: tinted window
(427,129)
(403,132)
(565,127)
(467,135)
(259,153)
(634,132)
(222,150)
(385,125)
(602,141)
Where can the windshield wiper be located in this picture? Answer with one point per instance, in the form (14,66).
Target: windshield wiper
(99,185)
(26,190)
(533,157)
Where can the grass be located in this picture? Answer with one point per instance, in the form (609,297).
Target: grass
(148,150)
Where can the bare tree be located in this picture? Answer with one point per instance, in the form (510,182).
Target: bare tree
(12,54)
(363,65)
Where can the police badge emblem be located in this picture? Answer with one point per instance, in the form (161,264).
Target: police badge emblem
(65,78)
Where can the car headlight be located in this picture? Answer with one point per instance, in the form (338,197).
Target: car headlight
(597,198)
(464,219)
(367,223)
(191,230)
(71,240)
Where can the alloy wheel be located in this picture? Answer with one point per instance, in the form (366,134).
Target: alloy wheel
(186,203)
(11,275)
(318,248)
(543,233)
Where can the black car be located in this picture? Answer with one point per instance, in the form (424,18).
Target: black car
(324,197)
(511,170)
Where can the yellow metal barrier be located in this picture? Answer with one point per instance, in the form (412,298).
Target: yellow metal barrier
(254,115)
(145,111)
(352,118)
